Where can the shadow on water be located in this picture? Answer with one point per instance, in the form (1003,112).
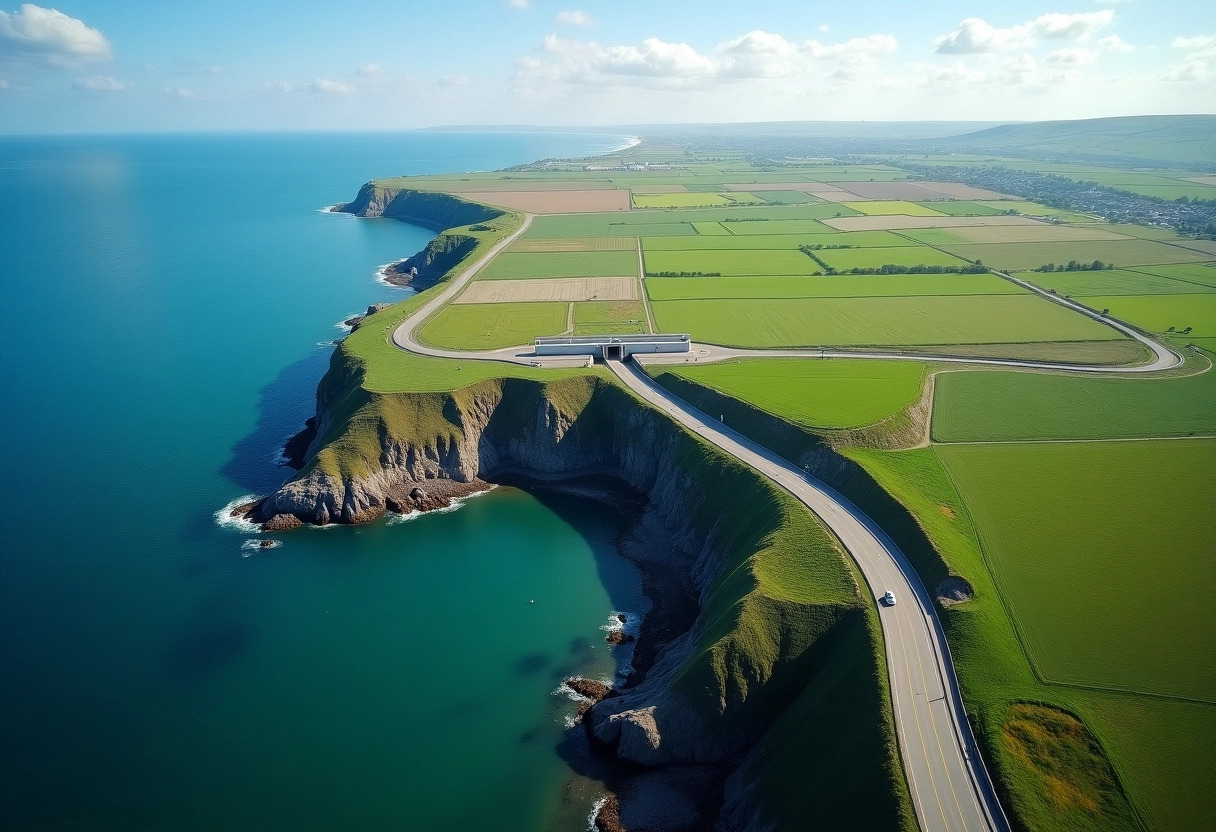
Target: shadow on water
(218,633)
(283,405)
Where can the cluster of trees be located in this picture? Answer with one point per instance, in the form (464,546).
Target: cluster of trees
(1074,266)
(683,274)
(891,268)
(820,246)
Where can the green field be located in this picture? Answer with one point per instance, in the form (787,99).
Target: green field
(876,207)
(1133,545)
(1113,282)
(774,242)
(731,262)
(1157,313)
(779,226)
(509,266)
(1123,253)
(985,405)
(1202,273)
(968,319)
(678,200)
(837,286)
(706,229)
(598,317)
(873,258)
(813,392)
(785,197)
(491,326)
(1034,209)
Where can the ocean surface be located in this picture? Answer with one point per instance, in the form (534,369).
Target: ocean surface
(168,305)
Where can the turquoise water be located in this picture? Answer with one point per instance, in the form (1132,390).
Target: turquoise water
(166,305)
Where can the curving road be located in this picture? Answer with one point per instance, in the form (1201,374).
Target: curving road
(950,787)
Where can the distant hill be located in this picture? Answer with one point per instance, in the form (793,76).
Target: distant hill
(1177,139)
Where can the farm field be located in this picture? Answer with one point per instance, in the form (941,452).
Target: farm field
(1113,282)
(979,406)
(961,208)
(491,326)
(893,206)
(510,266)
(1036,209)
(679,200)
(873,258)
(789,242)
(595,317)
(813,392)
(731,262)
(776,226)
(550,288)
(783,197)
(1123,499)
(1037,233)
(555,201)
(1202,273)
(970,319)
(1123,253)
(525,246)
(1157,313)
(836,286)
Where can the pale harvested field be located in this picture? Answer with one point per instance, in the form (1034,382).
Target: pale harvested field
(957,190)
(464,186)
(566,289)
(842,196)
(525,244)
(1039,233)
(886,223)
(910,191)
(555,202)
(1202,180)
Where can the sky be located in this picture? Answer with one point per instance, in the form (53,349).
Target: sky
(133,65)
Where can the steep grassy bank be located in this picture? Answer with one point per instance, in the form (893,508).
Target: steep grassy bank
(1050,759)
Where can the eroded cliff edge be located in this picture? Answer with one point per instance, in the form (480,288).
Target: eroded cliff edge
(781,637)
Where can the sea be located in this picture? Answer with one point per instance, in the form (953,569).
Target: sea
(168,304)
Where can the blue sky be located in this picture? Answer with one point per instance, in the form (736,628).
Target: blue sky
(112,65)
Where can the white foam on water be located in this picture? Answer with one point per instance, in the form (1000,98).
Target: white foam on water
(253,545)
(595,810)
(381,274)
(224,518)
(457,504)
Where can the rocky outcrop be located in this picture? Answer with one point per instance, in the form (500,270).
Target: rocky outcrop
(427,209)
(428,267)
(356,321)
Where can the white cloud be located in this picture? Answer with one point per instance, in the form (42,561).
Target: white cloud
(100,83)
(371,69)
(1196,42)
(576,17)
(977,35)
(4,84)
(276,86)
(823,27)
(520,4)
(1021,64)
(50,35)
(452,80)
(657,63)
(328,87)
(1114,43)
(184,93)
(1072,56)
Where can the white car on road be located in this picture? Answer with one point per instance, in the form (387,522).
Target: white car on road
(889,598)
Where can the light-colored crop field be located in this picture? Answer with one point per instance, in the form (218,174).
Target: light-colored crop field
(899,221)
(710,229)
(1091,539)
(1157,313)
(1113,282)
(774,242)
(980,406)
(1123,253)
(771,227)
(1037,233)
(601,225)
(1036,209)
(893,206)
(566,289)
(873,258)
(491,326)
(526,245)
(837,286)
(507,266)
(556,201)
(785,197)
(811,392)
(961,208)
(678,200)
(812,322)
(731,262)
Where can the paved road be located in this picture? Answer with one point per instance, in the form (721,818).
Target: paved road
(951,790)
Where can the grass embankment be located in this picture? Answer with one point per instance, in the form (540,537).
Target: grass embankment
(1064,784)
